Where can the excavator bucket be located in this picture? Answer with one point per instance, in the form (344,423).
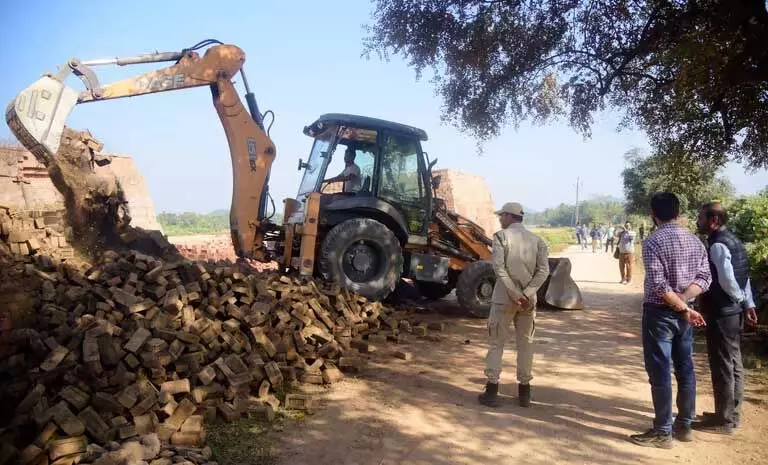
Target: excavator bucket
(559,290)
(38,113)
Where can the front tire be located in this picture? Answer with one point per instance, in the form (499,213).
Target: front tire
(475,288)
(363,256)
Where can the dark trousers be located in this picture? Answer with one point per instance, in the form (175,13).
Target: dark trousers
(724,349)
(667,343)
(608,242)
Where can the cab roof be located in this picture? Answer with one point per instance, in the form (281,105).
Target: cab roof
(365,122)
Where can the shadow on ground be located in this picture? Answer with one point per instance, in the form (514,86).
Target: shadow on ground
(426,410)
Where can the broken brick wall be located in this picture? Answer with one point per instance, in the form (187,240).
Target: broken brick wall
(25,185)
(32,210)
(34,220)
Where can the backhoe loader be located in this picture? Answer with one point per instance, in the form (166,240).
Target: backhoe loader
(366,240)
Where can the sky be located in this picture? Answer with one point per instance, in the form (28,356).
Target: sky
(303,59)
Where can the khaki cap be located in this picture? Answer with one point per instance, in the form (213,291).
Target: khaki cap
(513,208)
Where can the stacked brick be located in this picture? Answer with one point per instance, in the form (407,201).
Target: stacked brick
(30,232)
(128,359)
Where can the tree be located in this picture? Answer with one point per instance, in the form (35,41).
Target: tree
(601,209)
(694,183)
(692,73)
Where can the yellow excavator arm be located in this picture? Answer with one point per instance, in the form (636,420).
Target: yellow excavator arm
(38,114)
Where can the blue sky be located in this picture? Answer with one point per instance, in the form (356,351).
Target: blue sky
(303,59)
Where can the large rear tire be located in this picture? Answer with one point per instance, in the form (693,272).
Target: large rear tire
(475,288)
(363,256)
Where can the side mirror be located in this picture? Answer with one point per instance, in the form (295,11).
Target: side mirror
(302,164)
(436,182)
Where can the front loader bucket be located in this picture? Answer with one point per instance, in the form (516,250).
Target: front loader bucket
(559,290)
(37,116)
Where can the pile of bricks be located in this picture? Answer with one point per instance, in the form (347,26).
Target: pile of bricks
(28,232)
(128,359)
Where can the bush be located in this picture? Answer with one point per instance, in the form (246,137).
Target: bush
(749,221)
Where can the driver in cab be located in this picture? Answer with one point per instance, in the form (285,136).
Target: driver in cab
(351,174)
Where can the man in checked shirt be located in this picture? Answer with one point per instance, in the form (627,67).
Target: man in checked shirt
(676,271)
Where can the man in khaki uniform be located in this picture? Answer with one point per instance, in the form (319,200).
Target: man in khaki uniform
(520,260)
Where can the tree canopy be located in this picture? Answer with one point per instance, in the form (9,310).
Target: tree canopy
(692,73)
(694,183)
(600,209)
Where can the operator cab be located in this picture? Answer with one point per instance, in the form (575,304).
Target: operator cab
(393,170)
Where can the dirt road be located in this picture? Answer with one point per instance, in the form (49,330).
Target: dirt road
(589,390)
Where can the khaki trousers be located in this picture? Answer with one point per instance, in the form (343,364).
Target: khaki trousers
(500,321)
(625,265)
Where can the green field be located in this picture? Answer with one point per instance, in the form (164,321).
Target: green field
(558,239)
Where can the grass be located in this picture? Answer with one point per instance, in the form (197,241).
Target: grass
(249,441)
(243,442)
(558,239)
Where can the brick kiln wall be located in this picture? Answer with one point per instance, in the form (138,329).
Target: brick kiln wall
(468,195)
(32,212)
(136,192)
(25,186)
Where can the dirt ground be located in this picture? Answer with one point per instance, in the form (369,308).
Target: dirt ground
(589,392)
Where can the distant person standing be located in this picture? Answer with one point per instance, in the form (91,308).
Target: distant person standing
(626,253)
(724,306)
(584,236)
(521,266)
(579,234)
(676,272)
(642,231)
(610,237)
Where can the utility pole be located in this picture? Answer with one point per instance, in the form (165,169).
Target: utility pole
(576,219)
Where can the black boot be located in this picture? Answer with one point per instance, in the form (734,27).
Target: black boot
(524,394)
(490,397)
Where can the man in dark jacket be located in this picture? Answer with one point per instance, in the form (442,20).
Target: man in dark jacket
(725,306)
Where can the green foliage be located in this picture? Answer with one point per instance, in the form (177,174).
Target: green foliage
(601,209)
(695,183)
(749,220)
(692,74)
(562,215)
(176,224)
(179,224)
